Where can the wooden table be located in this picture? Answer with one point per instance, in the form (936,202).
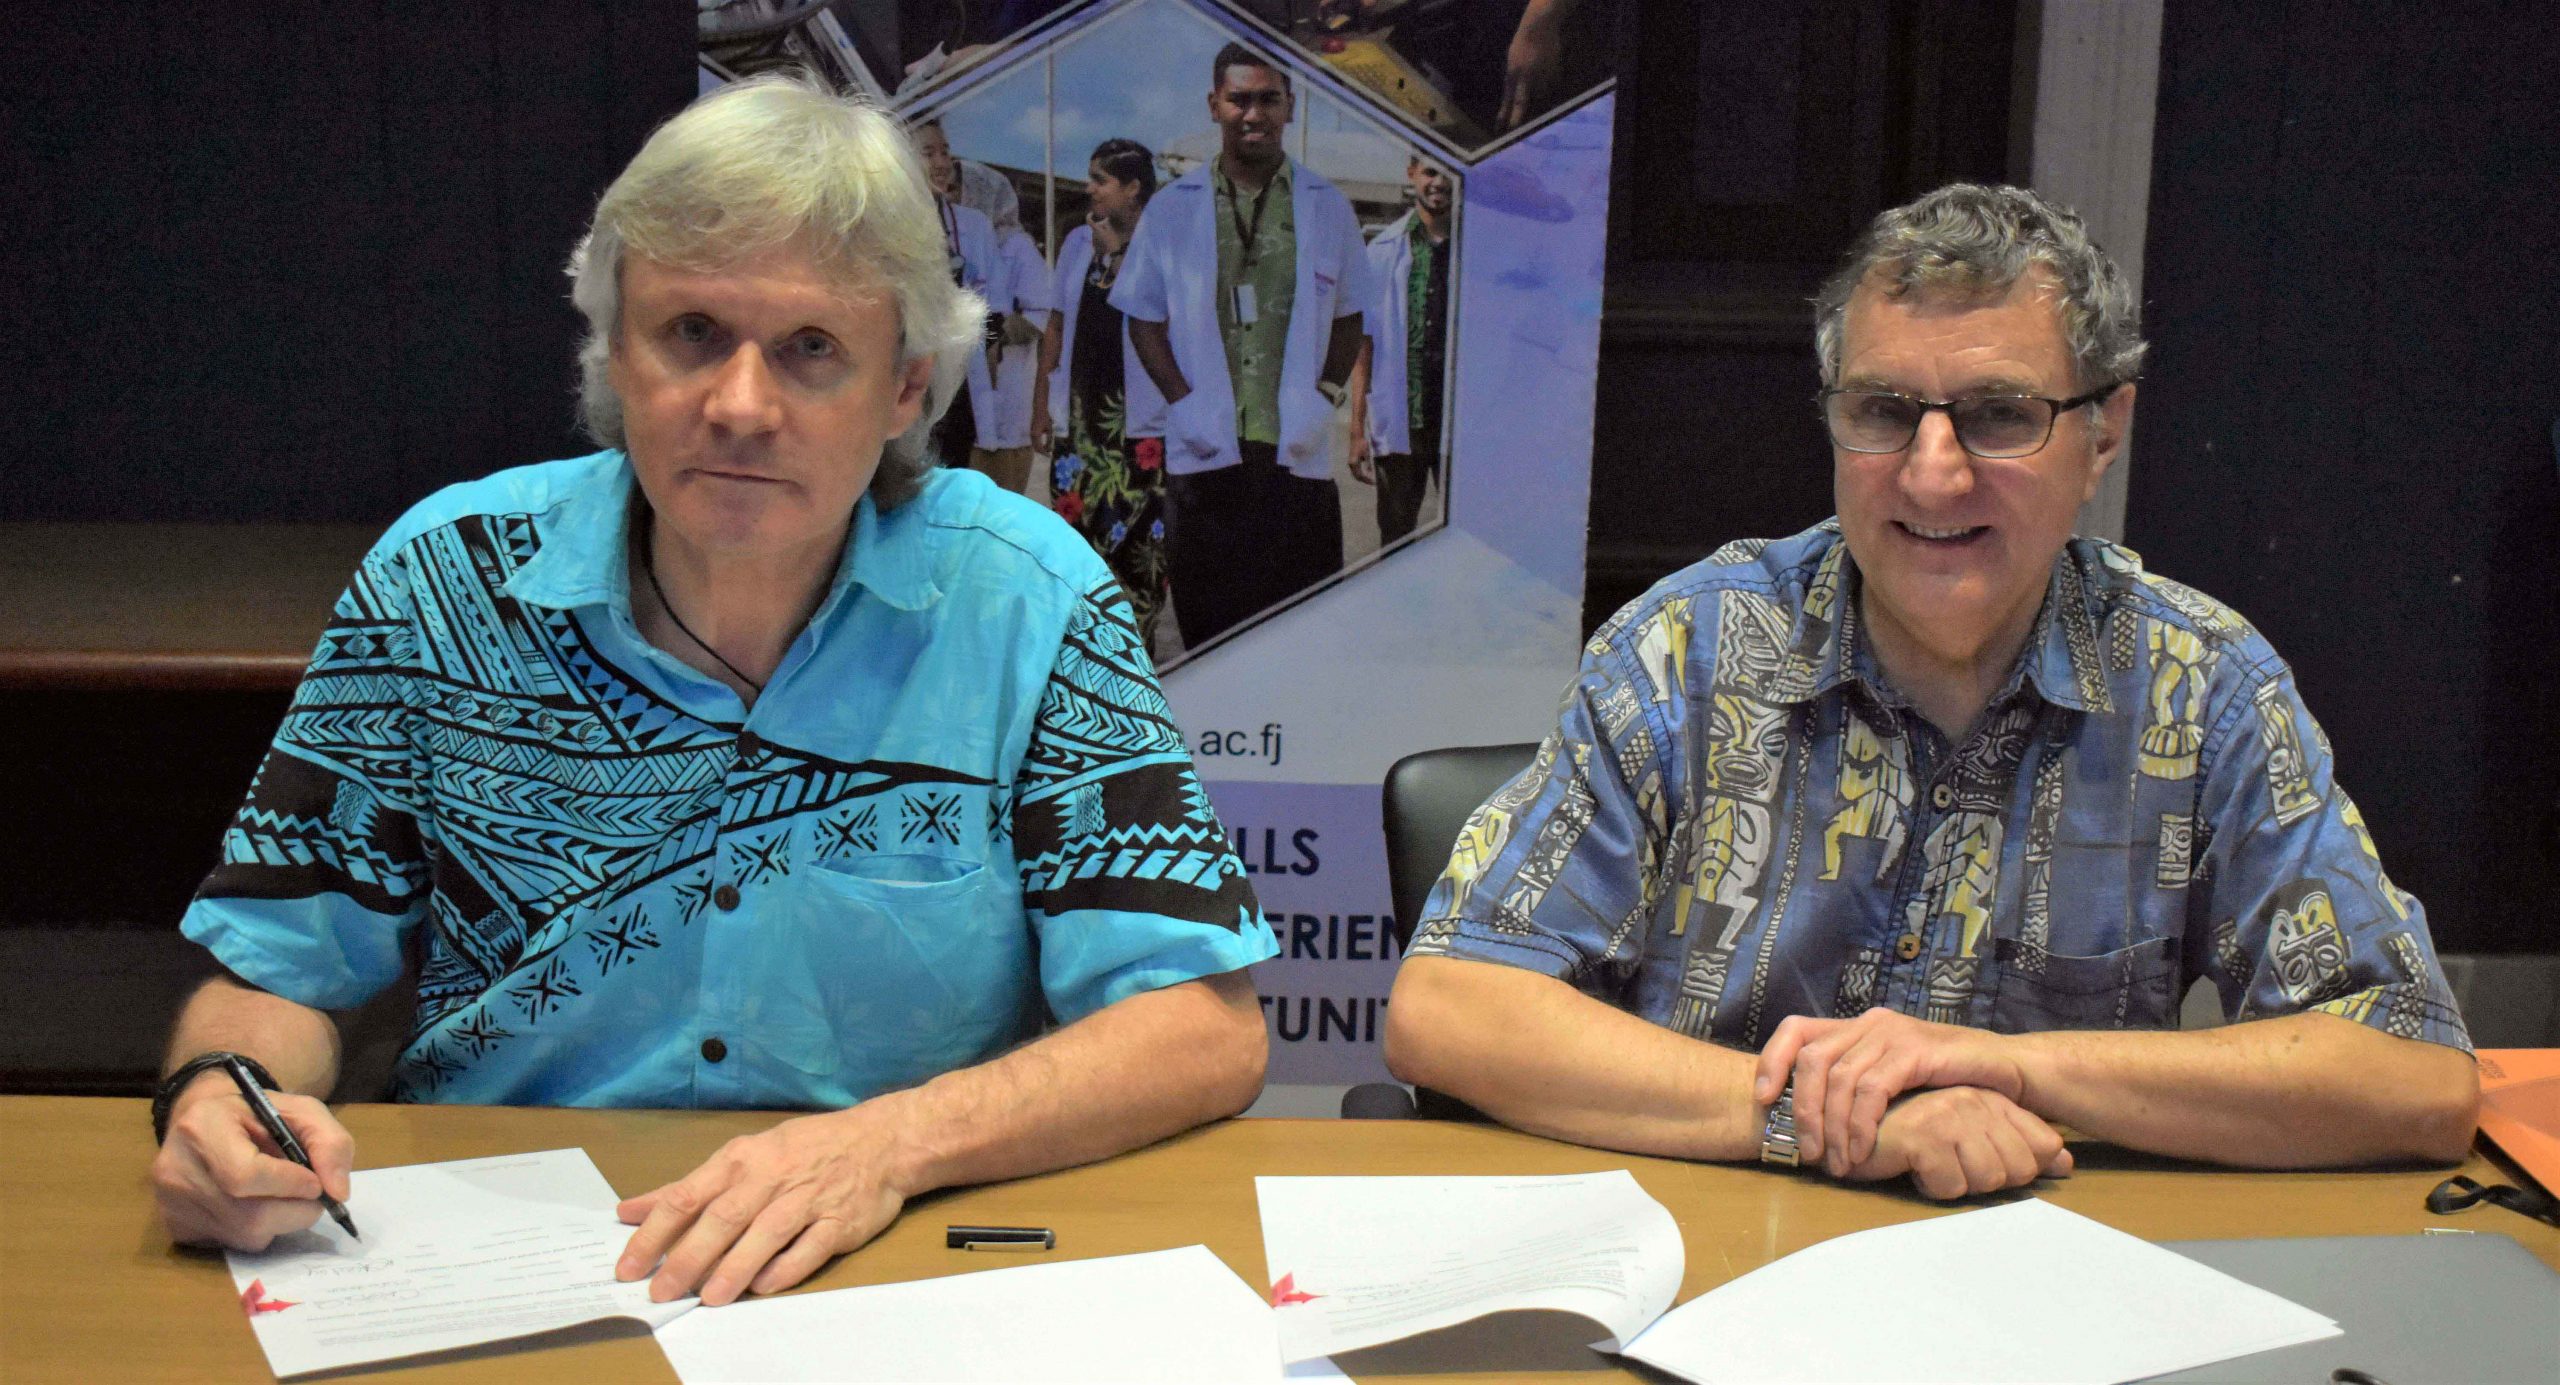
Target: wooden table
(168,606)
(90,1289)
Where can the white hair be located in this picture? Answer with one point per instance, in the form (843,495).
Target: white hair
(772,161)
(1972,239)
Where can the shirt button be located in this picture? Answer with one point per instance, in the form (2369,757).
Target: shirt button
(1907,946)
(1944,796)
(726,897)
(749,747)
(713,1050)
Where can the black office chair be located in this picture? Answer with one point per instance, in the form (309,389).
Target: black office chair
(1427,798)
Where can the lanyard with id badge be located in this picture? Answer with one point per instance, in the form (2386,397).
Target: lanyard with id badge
(1248,250)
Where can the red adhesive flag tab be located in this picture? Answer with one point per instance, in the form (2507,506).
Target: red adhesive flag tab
(254,1300)
(1287,1292)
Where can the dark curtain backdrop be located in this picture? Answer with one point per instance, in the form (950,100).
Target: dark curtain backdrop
(298,261)
(2347,429)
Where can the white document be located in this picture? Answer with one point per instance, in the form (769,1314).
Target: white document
(2025,1292)
(1356,1262)
(1178,1316)
(453,1255)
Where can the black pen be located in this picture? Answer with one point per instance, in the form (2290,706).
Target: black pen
(256,1096)
(999,1238)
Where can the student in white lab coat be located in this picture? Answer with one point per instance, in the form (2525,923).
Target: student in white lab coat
(1244,307)
(1108,416)
(1396,389)
(1003,447)
(977,264)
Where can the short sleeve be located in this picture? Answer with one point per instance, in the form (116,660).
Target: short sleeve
(1550,873)
(2292,911)
(1061,291)
(1139,292)
(1354,294)
(1032,292)
(997,267)
(322,873)
(1126,872)
(1376,306)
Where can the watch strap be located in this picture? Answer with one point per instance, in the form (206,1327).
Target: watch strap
(166,1095)
(1778,1135)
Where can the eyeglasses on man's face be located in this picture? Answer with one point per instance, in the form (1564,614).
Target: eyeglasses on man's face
(1990,426)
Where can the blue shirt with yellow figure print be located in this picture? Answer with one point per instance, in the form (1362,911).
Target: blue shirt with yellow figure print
(1739,819)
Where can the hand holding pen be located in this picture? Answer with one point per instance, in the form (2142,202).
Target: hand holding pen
(226,1176)
(277,1131)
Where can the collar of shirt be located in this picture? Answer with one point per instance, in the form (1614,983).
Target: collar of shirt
(2060,658)
(1228,190)
(585,557)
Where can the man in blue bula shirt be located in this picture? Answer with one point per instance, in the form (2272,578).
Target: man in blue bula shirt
(1939,810)
(754,763)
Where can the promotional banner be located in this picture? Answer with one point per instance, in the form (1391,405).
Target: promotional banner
(1359,245)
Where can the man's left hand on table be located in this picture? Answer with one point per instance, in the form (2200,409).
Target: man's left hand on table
(766,1210)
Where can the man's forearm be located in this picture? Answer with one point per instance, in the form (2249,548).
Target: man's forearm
(1536,1054)
(297,1044)
(1153,342)
(1052,347)
(1359,388)
(1149,1066)
(1342,348)
(2296,1092)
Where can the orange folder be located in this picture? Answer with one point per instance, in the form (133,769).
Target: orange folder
(2520,1108)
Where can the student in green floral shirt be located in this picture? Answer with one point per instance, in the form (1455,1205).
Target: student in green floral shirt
(1396,387)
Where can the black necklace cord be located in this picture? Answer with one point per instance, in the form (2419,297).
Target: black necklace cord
(649,569)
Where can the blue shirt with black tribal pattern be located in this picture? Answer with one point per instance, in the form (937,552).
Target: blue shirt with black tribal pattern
(959,811)
(1738,819)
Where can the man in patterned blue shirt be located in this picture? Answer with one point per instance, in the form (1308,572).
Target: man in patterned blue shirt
(753,763)
(1939,810)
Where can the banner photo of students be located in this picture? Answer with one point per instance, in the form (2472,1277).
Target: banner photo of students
(1295,312)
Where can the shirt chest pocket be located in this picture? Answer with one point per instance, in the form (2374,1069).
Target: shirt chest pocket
(2131,987)
(1319,299)
(893,969)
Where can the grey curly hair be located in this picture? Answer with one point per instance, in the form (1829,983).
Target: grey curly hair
(1973,239)
(780,160)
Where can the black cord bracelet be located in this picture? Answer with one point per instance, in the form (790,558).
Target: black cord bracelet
(187,1072)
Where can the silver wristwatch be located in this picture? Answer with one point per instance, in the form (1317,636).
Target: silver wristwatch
(1778,1137)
